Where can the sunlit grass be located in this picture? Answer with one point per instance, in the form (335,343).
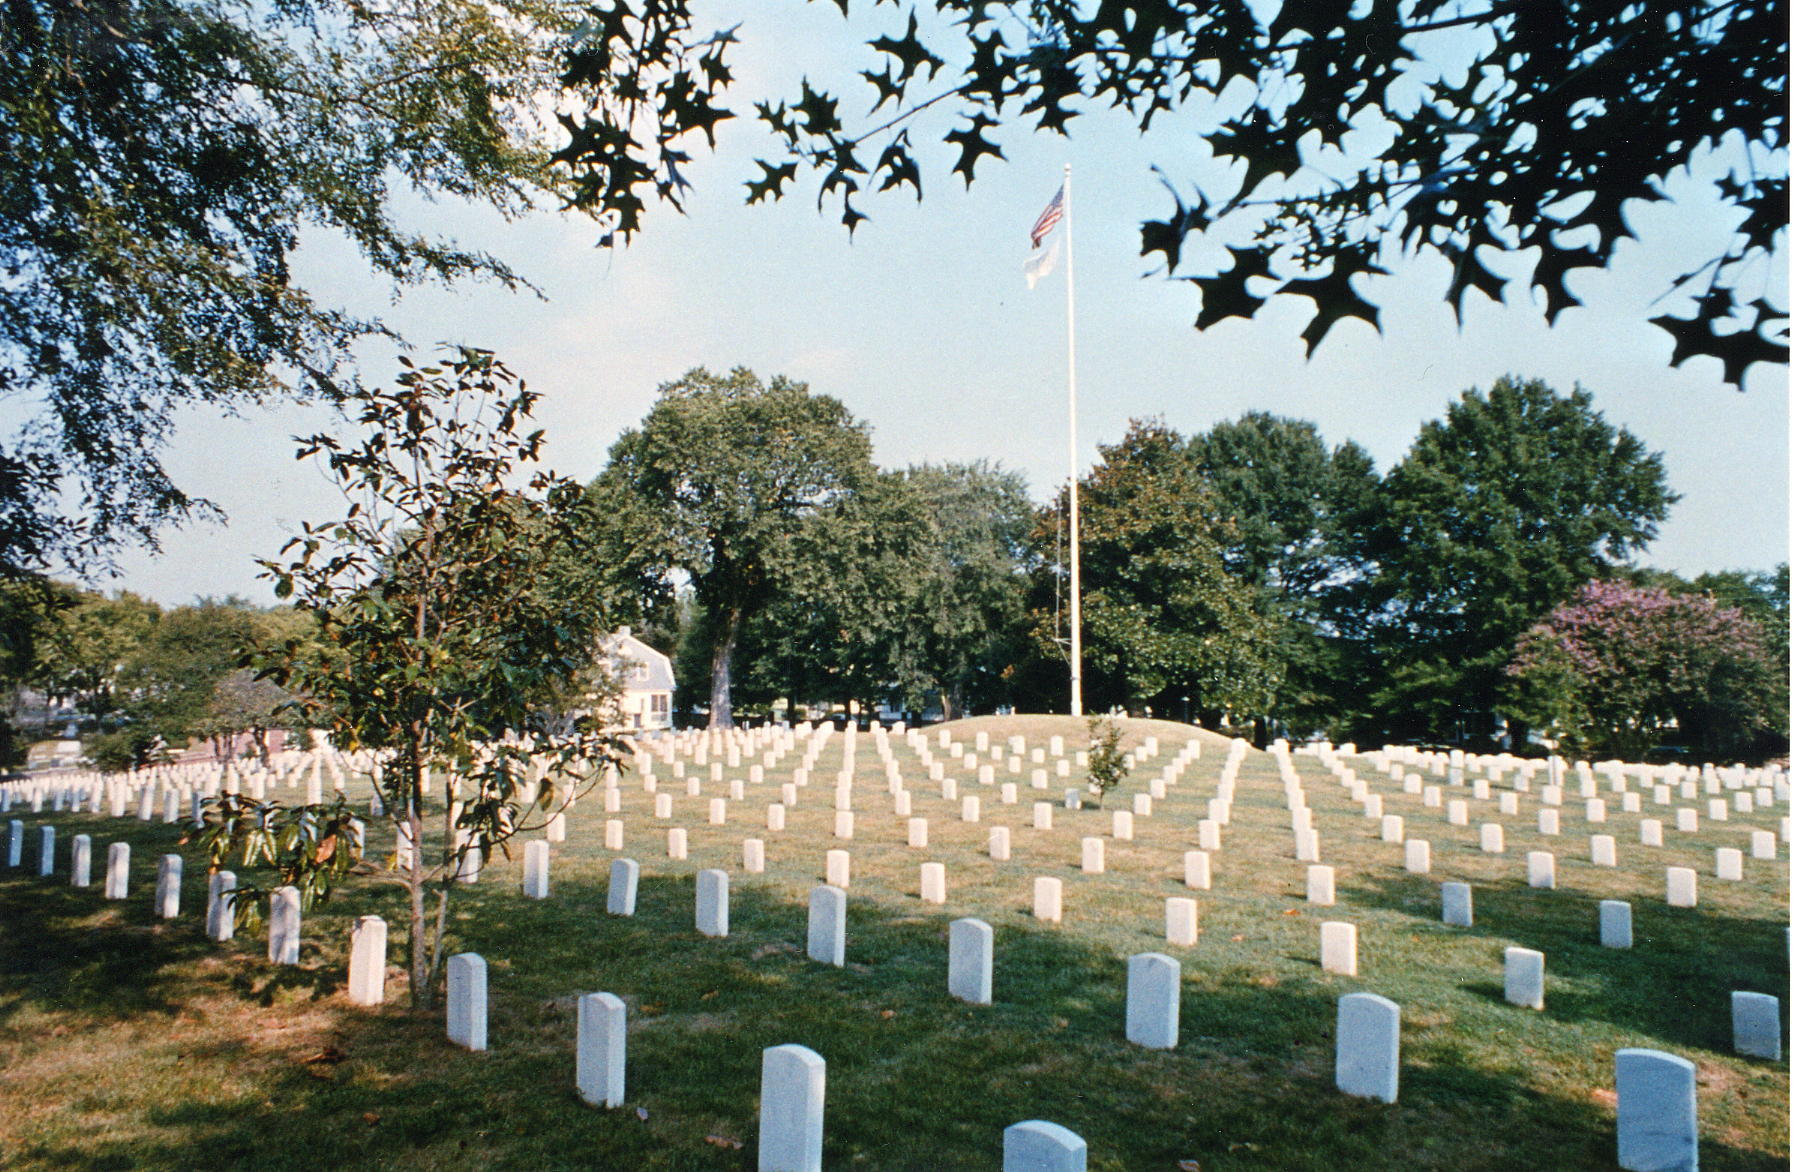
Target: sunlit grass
(125,1042)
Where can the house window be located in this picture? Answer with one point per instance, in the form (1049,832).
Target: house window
(659,707)
(641,672)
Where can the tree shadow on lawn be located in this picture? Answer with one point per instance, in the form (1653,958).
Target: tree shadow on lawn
(914,1078)
(1674,984)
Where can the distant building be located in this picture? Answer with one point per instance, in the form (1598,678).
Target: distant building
(646,681)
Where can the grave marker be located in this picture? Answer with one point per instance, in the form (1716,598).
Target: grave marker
(284,925)
(465,1009)
(1368,1047)
(1524,978)
(621,888)
(1040,1146)
(791,1120)
(1337,947)
(1659,1127)
(712,903)
(1153,1000)
(600,1032)
(1756,1025)
(972,961)
(1615,923)
(1459,905)
(825,925)
(368,961)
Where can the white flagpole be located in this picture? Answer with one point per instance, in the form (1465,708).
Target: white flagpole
(1075,707)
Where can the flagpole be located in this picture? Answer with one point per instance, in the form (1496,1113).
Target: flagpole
(1074,506)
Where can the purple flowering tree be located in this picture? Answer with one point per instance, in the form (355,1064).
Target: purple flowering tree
(1620,669)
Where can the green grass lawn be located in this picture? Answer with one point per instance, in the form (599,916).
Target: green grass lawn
(127,1042)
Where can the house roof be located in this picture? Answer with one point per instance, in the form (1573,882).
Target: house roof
(627,652)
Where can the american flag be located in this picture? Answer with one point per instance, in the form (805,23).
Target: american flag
(1047,219)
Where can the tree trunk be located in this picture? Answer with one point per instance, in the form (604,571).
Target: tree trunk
(726,643)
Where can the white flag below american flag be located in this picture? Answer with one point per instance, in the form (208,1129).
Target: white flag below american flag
(1043,256)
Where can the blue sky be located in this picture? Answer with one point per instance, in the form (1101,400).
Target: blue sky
(923,326)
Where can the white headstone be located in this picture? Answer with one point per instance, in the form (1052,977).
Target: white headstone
(1525,978)
(999,843)
(931,882)
(753,856)
(465,1017)
(600,1049)
(1093,856)
(1756,1025)
(284,925)
(368,961)
(1153,1000)
(47,850)
(537,869)
(221,910)
(621,888)
(1321,885)
(1659,1127)
(1418,856)
(1603,850)
(837,868)
(1337,947)
(825,925)
(1209,835)
(1459,905)
(972,961)
(1368,1047)
(792,1117)
(1762,845)
(1683,887)
(1039,1146)
(1615,923)
(1650,832)
(118,870)
(1196,870)
(15,842)
(1393,828)
(1046,899)
(1728,863)
(712,903)
(168,887)
(1540,869)
(1181,921)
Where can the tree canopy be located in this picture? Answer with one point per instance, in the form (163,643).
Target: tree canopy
(718,484)
(1509,137)
(1496,515)
(1622,669)
(164,159)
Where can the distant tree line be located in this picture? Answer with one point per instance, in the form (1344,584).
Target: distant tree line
(1248,577)
(142,680)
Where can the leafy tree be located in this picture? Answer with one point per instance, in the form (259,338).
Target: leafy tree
(1108,765)
(1294,509)
(1621,669)
(94,643)
(912,589)
(1163,620)
(447,646)
(164,159)
(1499,512)
(1509,138)
(718,484)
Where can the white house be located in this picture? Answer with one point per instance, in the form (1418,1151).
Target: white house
(645,677)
